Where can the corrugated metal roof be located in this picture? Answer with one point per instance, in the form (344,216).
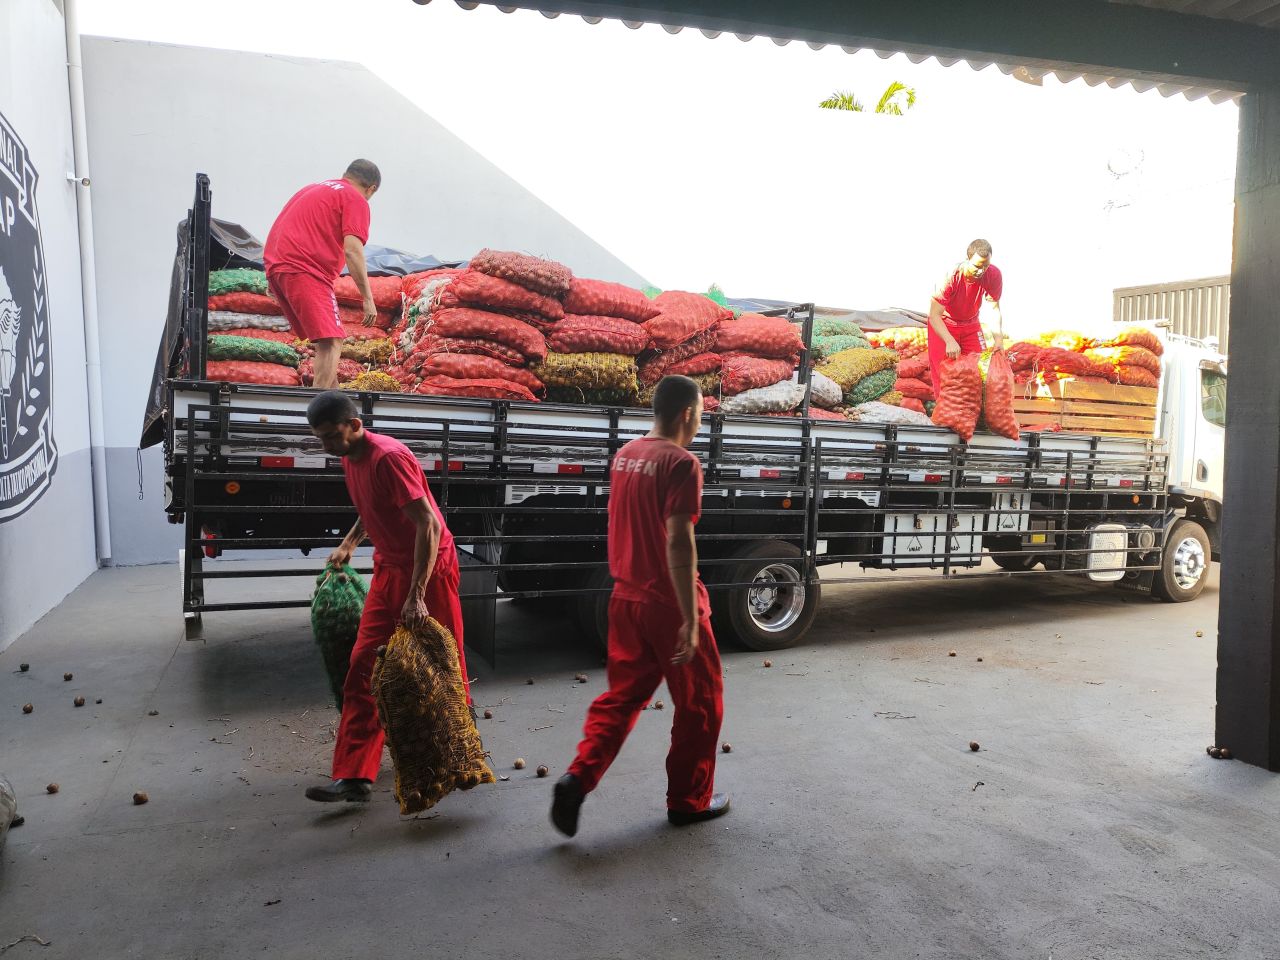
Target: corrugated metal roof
(1254,12)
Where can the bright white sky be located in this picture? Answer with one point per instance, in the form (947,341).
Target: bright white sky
(699,161)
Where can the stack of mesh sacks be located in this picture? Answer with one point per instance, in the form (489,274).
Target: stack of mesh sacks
(682,336)
(758,357)
(863,374)
(591,353)
(1131,357)
(914,388)
(363,348)
(249,338)
(480,332)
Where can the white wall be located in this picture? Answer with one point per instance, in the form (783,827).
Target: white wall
(261,127)
(46,551)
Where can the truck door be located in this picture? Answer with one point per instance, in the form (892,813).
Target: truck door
(1211,429)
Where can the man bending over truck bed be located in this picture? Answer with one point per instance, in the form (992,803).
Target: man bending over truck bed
(415,575)
(320,227)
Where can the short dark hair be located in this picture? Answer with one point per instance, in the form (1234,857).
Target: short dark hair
(364,172)
(981,247)
(333,407)
(673,396)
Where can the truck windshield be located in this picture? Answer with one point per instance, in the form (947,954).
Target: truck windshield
(1213,397)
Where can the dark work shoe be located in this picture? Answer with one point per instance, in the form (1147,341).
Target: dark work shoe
(353,791)
(568,797)
(718,807)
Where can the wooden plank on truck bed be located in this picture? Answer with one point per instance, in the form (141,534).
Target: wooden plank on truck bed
(1101,408)
(1109,392)
(1125,425)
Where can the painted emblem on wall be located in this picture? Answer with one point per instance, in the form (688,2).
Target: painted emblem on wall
(28,456)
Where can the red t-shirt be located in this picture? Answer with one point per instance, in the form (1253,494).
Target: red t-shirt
(961,298)
(308,234)
(380,483)
(651,480)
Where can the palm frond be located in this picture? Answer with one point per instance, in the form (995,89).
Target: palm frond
(889,103)
(842,100)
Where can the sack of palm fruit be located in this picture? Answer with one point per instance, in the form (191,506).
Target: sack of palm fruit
(336,607)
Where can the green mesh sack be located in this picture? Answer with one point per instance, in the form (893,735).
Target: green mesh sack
(335,618)
(835,327)
(222,347)
(825,346)
(242,279)
(873,387)
(601,397)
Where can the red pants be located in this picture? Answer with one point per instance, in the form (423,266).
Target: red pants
(642,639)
(968,335)
(308,304)
(358,752)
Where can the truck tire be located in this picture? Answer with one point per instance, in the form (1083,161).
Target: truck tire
(1027,561)
(776,610)
(1184,564)
(591,610)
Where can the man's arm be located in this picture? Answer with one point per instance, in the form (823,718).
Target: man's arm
(356,266)
(682,567)
(940,328)
(426,546)
(341,555)
(995,307)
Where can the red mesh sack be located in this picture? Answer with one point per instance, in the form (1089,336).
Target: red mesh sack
(354,316)
(817,413)
(1130,356)
(475,366)
(710,404)
(743,371)
(355,332)
(246,302)
(1071,340)
(683,315)
(411,286)
(911,387)
(583,334)
(911,403)
(542,276)
(1135,337)
(488,388)
(468,322)
(480,289)
(1068,363)
(915,368)
(473,345)
(763,336)
(1023,355)
(1133,376)
(385,290)
(653,367)
(252,371)
(697,364)
(997,397)
(279,336)
(903,340)
(347,370)
(604,299)
(959,395)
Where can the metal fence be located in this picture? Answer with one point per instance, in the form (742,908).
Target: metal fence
(1194,308)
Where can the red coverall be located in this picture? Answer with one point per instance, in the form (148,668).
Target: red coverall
(651,480)
(961,299)
(385,479)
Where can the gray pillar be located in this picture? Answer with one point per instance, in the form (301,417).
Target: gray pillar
(1248,715)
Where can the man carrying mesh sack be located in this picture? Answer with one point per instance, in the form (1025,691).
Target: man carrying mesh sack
(954,327)
(322,226)
(415,576)
(659,618)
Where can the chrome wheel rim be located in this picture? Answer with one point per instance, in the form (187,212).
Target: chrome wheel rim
(775,598)
(1188,563)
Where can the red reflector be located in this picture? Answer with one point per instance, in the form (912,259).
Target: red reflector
(277,463)
(770,474)
(456,465)
(1067,482)
(855,476)
(1004,479)
(569,468)
(933,478)
(1126,483)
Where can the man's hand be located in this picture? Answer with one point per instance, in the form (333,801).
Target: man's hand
(370,311)
(686,643)
(997,341)
(415,614)
(953,348)
(341,555)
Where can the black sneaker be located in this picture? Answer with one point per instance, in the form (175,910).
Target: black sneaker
(718,807)
(567,802)
(352,791)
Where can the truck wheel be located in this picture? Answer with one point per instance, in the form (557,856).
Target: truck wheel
(591,610)
(1024,562)
(1184,565)
(777,609)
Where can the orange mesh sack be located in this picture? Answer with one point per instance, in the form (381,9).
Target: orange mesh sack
(385,290)
(699,363)
(481,324)
(480,289)
(474,366)
(354,317)
(683,316)
(488,388)
(473,345)
(603,299)
(542,276)
(997,397)
(911,387)
(252,371)
(742,371)
(1135,337)
(1130,356)
(655,364)
(959,395)
(1134,376)
(762,336)
(245,302)
(585,334)
(422,704)
(411,286)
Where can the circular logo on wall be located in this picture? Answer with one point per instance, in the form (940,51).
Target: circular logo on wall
(28,456)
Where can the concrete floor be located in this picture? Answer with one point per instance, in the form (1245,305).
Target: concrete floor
(1091,824)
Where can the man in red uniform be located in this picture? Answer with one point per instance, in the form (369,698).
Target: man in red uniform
(323,225)
(659,622)
(415,574)
(953,312)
